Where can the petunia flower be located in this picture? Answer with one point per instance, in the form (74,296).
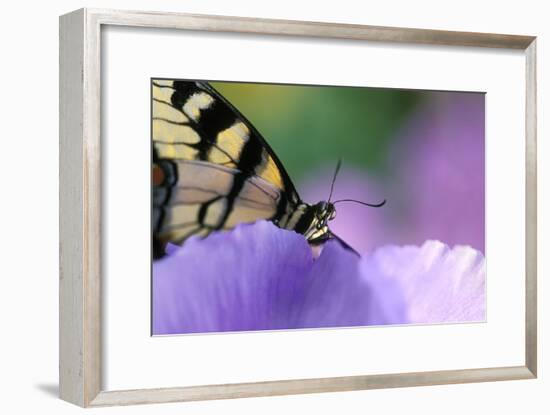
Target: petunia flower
(260,277)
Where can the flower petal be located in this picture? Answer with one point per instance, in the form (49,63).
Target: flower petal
(260,277)
(338,296)
(439,284)
(229,281)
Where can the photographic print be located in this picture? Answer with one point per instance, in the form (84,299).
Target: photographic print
(280,207)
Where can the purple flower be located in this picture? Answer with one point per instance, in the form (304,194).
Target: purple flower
(439,284)
(260,277)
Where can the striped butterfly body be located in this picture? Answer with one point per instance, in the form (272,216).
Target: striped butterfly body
(213,170)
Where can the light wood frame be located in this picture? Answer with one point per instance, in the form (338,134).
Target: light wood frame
(80,206)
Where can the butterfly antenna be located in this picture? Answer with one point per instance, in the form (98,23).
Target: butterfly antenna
(375,205)
(334,178)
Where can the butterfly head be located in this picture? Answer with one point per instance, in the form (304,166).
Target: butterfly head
(324,211)
(315,225)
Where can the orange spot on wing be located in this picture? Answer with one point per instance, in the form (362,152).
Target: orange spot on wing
(158,175)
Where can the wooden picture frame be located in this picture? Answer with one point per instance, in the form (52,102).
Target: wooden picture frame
(80,206)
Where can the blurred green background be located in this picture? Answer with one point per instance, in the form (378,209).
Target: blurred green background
(312,126)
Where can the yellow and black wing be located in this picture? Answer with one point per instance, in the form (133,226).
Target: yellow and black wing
(211,168)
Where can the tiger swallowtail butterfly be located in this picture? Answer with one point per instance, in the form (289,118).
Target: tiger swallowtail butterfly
(213,170)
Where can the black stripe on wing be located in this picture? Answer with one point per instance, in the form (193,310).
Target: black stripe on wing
(255,136)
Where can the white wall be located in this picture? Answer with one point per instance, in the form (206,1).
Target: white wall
(28,217)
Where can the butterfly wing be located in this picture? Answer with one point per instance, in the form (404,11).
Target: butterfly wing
(211,168)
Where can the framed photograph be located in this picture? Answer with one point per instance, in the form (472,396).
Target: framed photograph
(254,207)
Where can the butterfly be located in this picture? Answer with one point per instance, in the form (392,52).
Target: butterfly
(212,170)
